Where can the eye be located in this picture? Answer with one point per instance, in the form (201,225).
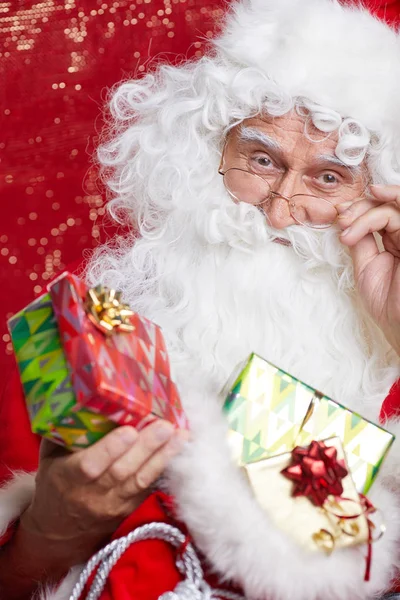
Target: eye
(328,179)
(261,162)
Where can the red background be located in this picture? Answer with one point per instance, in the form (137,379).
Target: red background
(57,61)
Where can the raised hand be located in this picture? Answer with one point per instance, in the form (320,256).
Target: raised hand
(377,271)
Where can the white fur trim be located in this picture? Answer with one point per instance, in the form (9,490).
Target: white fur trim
(242,544)
(15,497)
(63,591)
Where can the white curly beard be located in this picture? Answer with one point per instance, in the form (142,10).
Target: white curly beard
(221,289)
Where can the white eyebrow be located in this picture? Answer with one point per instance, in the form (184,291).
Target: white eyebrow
(251,134)
(329,158)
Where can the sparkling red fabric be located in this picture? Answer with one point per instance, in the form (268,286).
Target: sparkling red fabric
(58,59)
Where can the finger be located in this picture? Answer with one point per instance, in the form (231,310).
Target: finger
(149,440)
(384,217)
(387,193)
(92,462)
(349,211)
(154,467)
(362,253)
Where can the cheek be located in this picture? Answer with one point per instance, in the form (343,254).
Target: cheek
(351,192)
(358,186)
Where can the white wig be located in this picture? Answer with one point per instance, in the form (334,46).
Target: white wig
(340,62)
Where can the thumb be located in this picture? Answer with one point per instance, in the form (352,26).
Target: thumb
(50,449)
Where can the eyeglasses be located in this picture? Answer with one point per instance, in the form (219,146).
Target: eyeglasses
(308,210)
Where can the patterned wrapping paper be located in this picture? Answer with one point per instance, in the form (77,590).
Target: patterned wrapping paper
(298,517)
(99,380)
(46,379)
(270,412)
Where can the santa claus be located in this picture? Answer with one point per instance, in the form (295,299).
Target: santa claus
(264,180)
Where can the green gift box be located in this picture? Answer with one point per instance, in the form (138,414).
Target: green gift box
(46,379)
(270,412)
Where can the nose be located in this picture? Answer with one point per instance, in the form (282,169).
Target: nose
(278,214)
(277,210)
(289,184)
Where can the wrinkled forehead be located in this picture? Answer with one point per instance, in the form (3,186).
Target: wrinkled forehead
(290,133)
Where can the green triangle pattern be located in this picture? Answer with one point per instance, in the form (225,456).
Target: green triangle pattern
(43,369)
(332,408)
(355,420)
(283,385)
(46,380)
(267,417)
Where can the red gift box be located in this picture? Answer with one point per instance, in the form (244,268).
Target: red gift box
(124,376)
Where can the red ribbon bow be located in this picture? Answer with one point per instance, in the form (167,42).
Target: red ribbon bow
(316,472)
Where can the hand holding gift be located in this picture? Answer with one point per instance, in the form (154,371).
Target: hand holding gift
(82,497)
(88,364)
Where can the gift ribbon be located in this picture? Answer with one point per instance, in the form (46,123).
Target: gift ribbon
(318,474)
(367,508)
(107,312)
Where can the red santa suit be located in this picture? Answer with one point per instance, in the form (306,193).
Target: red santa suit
(148,568)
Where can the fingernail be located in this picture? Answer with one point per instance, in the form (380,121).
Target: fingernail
(345,232)
(163,431)
(377,185)
(343,206)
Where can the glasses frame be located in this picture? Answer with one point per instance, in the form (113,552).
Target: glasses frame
(273,194)
(289,199)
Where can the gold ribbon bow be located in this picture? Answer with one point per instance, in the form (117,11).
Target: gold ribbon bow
(107,312)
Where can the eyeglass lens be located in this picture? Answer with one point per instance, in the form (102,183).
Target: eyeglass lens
(252,189)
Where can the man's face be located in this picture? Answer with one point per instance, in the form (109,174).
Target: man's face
(294,158)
